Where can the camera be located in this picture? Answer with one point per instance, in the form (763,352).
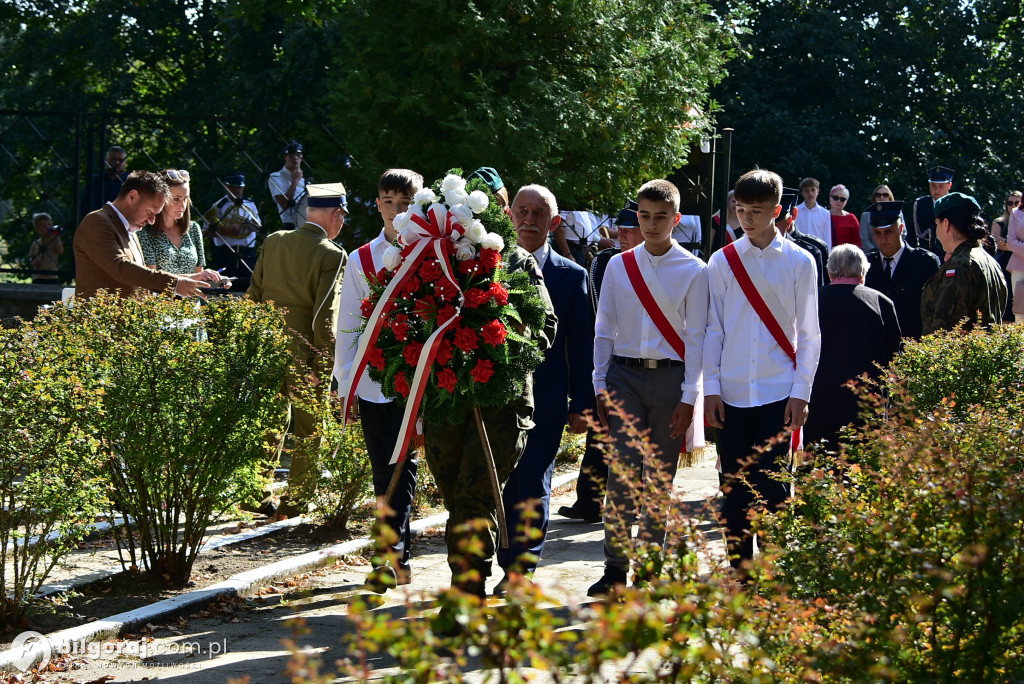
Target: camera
(55,230)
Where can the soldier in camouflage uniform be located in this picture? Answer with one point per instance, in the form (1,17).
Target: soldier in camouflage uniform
(970,283)
(456,458)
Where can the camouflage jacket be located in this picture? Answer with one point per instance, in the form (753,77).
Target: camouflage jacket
(967,285)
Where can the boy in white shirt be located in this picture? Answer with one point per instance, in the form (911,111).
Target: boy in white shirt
(656,376)
(811,217)
(381,418)
(760,352)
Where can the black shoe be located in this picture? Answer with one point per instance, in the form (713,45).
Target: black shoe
(501,588)
(612,579)
(575,512)
(381,579)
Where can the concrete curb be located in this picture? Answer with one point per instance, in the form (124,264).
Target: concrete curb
(242,584)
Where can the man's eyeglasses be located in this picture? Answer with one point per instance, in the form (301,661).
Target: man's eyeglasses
(837,198)
(177,176)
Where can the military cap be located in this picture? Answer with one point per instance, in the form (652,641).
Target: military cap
(954,200)
(489,176)
(293,147)
(236,180)
(940,174)
(885,213)
(327,196)
(789,196)
(627,216)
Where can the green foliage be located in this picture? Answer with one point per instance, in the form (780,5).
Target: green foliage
(340,455)
(590,99)
(864,92)
(51,467)
(973,368)
(189,393)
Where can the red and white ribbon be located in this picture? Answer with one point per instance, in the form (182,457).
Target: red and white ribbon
(423,236)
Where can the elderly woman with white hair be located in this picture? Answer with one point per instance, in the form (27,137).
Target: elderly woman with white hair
(859,334)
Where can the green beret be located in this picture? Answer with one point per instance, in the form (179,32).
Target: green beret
(954,200)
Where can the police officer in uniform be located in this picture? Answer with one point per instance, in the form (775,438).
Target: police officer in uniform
(969,285)
(301,271)
(896,269)
(921,233)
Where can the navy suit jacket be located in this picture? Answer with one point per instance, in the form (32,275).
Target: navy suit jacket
(916,267)
(563,382)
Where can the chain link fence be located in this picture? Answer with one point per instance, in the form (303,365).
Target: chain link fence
(53,163)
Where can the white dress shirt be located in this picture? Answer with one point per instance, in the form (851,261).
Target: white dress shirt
(624,328)
(816,222)
(353,291)
(541,255)
(742,361)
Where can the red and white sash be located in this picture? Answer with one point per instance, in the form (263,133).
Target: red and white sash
(666,319)
(767,307)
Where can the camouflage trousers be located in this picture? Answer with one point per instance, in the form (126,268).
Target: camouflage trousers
(456,460)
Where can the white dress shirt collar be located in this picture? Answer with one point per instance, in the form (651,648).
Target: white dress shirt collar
(541,255)
(124,221)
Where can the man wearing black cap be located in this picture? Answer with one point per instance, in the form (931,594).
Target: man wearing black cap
(232,224)
(301,271)
(288,187)
(922,230)
(785,222)
(896,269)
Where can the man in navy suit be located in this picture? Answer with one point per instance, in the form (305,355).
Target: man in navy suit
(896,269)
(561,384)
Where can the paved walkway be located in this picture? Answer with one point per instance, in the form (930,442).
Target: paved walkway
(248,641)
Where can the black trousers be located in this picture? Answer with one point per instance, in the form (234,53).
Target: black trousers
(745,430)
(381,423)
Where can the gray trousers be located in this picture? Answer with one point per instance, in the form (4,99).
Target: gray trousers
(650,395)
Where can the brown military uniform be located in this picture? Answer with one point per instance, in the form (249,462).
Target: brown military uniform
(301,271)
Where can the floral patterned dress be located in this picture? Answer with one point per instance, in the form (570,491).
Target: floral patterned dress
(167,257)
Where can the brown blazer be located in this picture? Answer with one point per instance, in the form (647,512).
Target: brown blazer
(104,259)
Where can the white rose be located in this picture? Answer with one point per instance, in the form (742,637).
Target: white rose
(401,221)
(425,196)
(475,232)
(464,250)
(392,257)
(492,241)
(462,213)
(478,201)
(452,182)
(456,196)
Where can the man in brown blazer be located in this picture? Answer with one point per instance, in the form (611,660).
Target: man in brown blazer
(301,271)
(108,255)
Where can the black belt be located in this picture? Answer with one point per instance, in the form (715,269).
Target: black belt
(630,362)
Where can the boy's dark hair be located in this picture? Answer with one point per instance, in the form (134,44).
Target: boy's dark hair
(659,191)
(759,185)
(809,183)
(402,181)
(145,183)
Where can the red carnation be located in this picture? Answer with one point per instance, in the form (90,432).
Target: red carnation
(425,307)
(445,291)
(376,358)
(444,352)
(494,333)
(430,271)
(446,379)
(466,339)
(412,352)
(483,371)
(490,258)
(499,293)
(445,313)
(409,287)
(401,330)
(469,266)
(366,308)
(475,297)
(401,385)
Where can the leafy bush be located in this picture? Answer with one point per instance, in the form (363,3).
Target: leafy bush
(341,459)
(51,467)
(189,393)
(974,367)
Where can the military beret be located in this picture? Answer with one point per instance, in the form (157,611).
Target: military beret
(954,200)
